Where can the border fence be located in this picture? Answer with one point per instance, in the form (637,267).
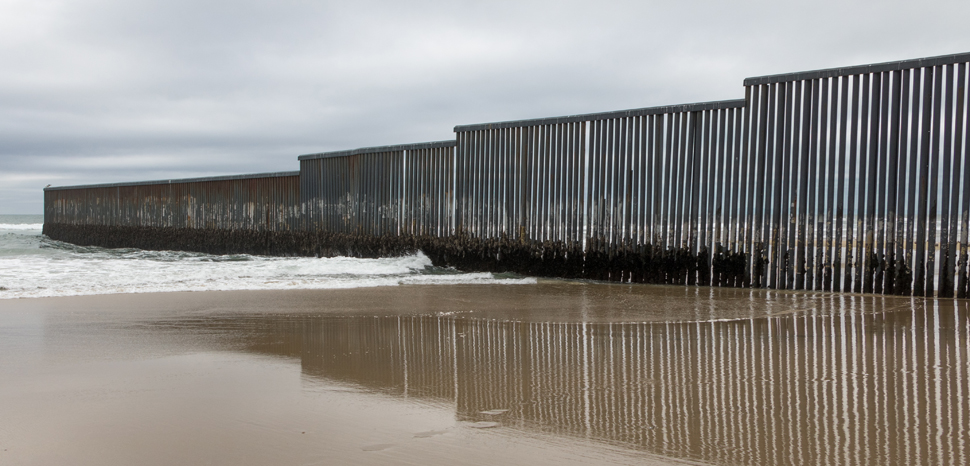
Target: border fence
(390,190)
(222,214)
(630,191)
(869,183)
(263,201)
(850,179)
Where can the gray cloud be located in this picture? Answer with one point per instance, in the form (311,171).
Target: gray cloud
(103,91)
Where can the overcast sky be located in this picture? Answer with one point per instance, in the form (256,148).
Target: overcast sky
(121,90)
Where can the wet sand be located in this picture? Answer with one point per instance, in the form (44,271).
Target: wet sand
(552,373)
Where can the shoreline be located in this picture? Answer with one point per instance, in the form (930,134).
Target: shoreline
(545,300)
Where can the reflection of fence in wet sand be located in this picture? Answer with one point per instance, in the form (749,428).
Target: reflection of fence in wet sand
(805,390)
(852,382)
(849,179)
(411,356)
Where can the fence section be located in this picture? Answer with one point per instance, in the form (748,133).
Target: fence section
(262,202)
(429,178)
(353,192)
(654,183)
(868,180)
(379,191)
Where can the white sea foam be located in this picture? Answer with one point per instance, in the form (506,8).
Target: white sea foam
(22,226)
(34,266)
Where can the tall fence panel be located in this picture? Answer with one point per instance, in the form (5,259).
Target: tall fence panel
(262,202)
(349,192)
(429,190)
(875,189)
(523,181)
(379,191)
(621,188)
(654,190)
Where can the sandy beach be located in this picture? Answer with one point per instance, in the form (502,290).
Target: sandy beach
(167,378)
(551,373)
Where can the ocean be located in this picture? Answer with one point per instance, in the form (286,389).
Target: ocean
(32,265)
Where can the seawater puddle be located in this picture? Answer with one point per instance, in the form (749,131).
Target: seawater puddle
(33,266)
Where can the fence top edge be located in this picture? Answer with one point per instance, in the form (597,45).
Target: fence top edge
(859,69)
(694,107)
(378,149)
(251,176)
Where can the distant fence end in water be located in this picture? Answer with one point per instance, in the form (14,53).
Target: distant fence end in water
(850,179)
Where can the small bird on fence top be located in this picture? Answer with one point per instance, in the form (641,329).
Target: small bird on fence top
(47,186)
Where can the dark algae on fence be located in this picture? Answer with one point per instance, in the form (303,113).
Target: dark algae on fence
(849,179)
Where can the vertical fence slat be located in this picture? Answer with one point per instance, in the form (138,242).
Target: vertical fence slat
(919,262)
(949,191)
(960,154)
(895,194)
